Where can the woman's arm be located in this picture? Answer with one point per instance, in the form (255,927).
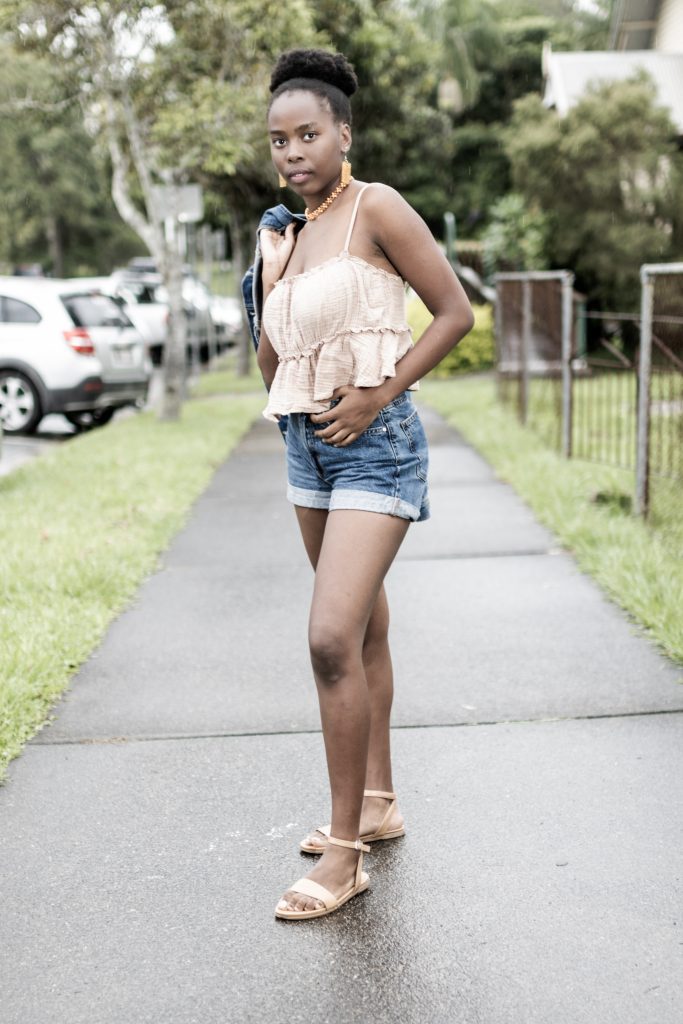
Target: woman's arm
(266,359)
(276,248)
(408,244)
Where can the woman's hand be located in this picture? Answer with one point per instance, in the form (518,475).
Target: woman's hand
(353,414)
(276,248)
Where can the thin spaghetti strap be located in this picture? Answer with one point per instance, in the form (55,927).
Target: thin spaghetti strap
(353,217)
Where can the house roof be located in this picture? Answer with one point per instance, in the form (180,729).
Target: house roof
(567,76)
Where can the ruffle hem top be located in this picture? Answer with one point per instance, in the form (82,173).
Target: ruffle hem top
(342,322)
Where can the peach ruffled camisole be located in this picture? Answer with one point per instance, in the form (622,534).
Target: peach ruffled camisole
(342,322)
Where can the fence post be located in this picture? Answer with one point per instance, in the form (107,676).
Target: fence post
(498,335)
(525,347)
(641,497)
(567,312)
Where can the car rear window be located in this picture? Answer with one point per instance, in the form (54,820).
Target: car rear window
(141,291)
(95,310)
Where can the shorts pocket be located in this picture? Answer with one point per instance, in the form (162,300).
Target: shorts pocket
(417,442)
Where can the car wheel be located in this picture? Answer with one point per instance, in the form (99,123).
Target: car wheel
(20,410)
(87,419)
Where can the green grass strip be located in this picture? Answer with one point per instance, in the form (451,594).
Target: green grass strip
(80,529)
(640,566)
(224,379)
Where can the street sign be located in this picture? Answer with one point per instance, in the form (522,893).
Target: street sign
(183,203)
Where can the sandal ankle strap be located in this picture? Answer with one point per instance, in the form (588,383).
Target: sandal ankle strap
(379,792)
(351,844)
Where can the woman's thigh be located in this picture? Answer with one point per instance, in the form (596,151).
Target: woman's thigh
(356,551)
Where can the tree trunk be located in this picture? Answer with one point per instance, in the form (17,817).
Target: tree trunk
(54,242)
(162,244)
(174,367)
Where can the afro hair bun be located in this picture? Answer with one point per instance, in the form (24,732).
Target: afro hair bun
(332,68)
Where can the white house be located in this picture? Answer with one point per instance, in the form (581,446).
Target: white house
(644,34)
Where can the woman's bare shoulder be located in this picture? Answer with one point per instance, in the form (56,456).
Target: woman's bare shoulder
(379,197)
(387,215)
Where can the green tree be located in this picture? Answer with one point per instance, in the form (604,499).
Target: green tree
(467,35)
(605,177)
(399,135)
(56,208)
(208,95)
(493,51)
(516,238)
(175,91)
(108,48)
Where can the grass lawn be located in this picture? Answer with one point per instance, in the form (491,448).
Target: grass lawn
(639,565)
(81,528)
(223,379)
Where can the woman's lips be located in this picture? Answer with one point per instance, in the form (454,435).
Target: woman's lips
(299,176)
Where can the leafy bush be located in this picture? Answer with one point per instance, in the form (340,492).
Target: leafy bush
(607,177)
(475,352)
(516,237)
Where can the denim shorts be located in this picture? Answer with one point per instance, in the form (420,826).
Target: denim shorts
(383,470)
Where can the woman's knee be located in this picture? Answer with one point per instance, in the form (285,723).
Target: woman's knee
(333,651)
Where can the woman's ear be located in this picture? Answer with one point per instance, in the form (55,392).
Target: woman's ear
(345,136)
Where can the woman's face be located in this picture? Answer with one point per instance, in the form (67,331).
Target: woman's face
(306,144)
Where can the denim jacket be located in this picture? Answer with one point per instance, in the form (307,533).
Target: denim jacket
(277,217)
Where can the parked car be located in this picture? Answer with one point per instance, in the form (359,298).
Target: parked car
(68,349)
(214,322)
(226,313)
(200,328)
(197,306)
(137,296)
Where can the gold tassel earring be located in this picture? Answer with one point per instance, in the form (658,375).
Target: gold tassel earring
(282,181)
(345,171)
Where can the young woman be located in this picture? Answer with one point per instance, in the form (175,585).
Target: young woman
(337,358)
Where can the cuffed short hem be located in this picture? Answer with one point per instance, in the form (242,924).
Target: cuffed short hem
(308,499)
(363,501)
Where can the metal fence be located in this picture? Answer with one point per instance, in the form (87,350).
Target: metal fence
(617,401)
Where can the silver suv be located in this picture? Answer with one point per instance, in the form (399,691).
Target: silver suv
(65,348)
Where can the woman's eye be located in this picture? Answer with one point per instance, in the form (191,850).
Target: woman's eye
(276,142)
(311,135)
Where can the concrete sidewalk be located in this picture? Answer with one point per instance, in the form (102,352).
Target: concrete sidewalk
(146,835)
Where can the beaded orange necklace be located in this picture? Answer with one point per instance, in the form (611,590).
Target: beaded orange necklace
(312,214)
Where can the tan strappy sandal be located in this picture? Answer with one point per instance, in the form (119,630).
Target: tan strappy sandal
(381,832)
(307,887)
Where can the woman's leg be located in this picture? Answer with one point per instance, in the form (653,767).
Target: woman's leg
(356,551)
(380,679)
(380,683)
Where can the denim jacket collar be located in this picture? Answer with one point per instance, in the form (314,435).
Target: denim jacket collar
(277,218)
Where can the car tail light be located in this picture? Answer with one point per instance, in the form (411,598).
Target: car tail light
(80,341)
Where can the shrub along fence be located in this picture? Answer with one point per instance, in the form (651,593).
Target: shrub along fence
(619,402)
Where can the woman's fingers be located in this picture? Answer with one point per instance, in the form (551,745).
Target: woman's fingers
(338,437)
(276,246)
